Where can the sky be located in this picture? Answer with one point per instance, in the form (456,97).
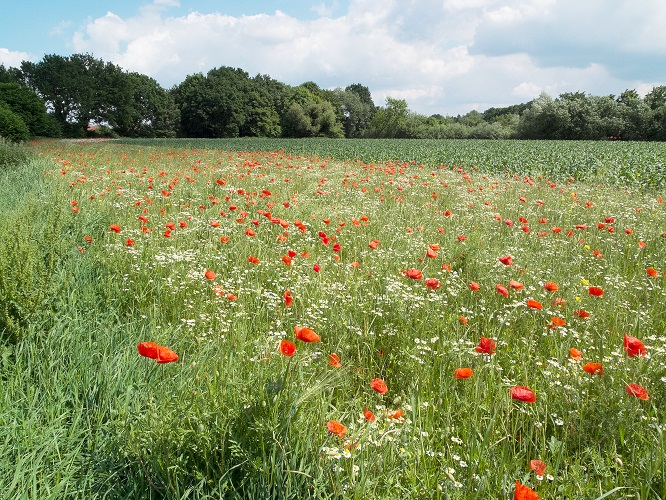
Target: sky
(443,57)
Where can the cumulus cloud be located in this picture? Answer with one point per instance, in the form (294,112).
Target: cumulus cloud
(12,59)
(442,56)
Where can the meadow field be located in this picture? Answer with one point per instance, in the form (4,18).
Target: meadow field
(333,319)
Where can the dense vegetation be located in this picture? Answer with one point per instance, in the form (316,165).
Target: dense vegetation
(474,330)
(80,91)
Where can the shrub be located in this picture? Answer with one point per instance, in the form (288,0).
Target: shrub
(12,127)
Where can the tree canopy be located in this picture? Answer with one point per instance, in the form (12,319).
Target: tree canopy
(67,94)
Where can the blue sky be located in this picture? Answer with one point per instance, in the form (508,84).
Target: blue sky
(441,56)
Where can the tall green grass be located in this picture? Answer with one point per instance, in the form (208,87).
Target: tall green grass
(82,415)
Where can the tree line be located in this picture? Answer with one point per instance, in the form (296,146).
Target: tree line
(80,95)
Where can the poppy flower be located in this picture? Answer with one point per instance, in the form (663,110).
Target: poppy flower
(637,391)
(210,275)
(415,274)
(507,260)
(550,286)
(253,260)
(433,283)
(474,286)
(166,355)
(522,393)
(593,368)
(129,242)
(596,291)
(306,334)
(501,289)
(486,346)
(431,254)
(576,354)
(368,415)
(524,492)
(581,313)
(556,321)
(378,385)
(250,232)
(336,428)
(287,260)
(652,272)
(115,228)
(634,347)
(288,299)
(88,239)
(464,320)
(538,466)
(534,304)
(460,373)
(316,268)
(148,349)
(395,414)
(287,348)
(334,360)
(516,285)
(374,244)
(337,247)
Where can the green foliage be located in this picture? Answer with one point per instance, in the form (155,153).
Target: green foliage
(25,103)
(12,127)
(12,154)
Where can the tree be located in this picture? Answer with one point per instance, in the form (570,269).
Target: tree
(12,126)
(24,102)
(357,109)
(391,120)
(78,89)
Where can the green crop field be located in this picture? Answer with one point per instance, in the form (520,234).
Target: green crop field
(333,319)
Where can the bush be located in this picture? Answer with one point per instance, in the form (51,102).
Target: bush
(12,127)
(11,153)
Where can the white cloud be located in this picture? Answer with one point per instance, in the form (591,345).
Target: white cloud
(9,58)
(442,56)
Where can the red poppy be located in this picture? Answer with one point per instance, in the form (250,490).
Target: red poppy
(596,291)
(286,259)
(148,349)
(166,355)
(306,334)
(433,283)
(581,313)
(316,268)
(501,289)
(516,285)
(474,286)
(538,466)
(431,254)
(129,242)
(464,320)
(576,354)
(634,347)
(115,228)
(593,368)
(534,304)
(652,272)
(550,286)
(415,274)
(334,360)
(638,391)
(522,393)
(368,415)
(374,244)
(253,260)
(379,386)
(250,232)
(556,321)
(486,346)
(336,428)
(210,275)
(524,493)
(288,299)
(287,348)
(506,260)
(88,239)
(395,414)
(460,373)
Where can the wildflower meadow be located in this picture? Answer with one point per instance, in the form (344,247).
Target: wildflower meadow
(293,320)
